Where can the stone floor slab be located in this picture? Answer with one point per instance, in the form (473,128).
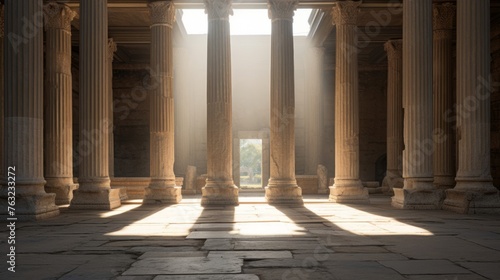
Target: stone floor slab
(408,267)
(487,269)
(192,265)
(251,255)
(209,277)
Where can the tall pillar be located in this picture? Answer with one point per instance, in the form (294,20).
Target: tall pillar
(219,188)
(58,103)
(418,191)
(443,70)
(474,191)
(347,187)
(162,188)
(282,187)
(94,191)
(393,177)
(24,112)
(111,51)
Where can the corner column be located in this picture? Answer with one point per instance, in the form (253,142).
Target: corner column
(444,99)
(282,187)
(393,177)
(111,51)
(162,188)
(474,191)
(94,191)
(24,113)
(347,187)
(58,103)
(418,191)
(219,188)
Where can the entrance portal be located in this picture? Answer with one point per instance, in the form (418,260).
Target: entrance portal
(250,163)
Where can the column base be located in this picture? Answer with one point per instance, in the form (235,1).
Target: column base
(472,202)
(106,199)
(349,192)
(444,182)
(165,195)
(284,195)
(391,182)
(63,191)
(214,194)
(417,199)
(30,207)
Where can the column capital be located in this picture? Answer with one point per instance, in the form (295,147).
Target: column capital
(346,12)
(282,9)
(218,9)
(394,48)
(162,13)
(58,16)
(2,21)
(111,48)
(444,16)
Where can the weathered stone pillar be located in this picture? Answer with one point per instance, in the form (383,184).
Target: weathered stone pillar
(419,191)
(58,103)
(94,191)
(24,111)
(220,188)
(282,187)
(474,191)
(443,69)
(393,177)
(162,188)
(347,187)
(111,51)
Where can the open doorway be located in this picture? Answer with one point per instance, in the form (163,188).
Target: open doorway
(251,163)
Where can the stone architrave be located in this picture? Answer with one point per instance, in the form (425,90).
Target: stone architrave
(24,115)
(219,188)
(444,97)
(58,125)
(474,191)
(322,173)
(162,188)
(94,190)
(347,187)
(418,191)
(393,177)
(282,187)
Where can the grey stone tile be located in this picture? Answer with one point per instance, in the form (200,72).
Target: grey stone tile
(290,273)
(251,255)
(425,267)
(173,254)
(101,267)
(348,270)
(487,269)
(218,244)
(447,277)
(273,263)
(275,245)
(192,265)
(209,277)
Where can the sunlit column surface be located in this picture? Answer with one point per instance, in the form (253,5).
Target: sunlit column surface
(219,188)
(94,191)
(24,112)
(347,187)
(58,125)
(162,188)
(111,51)
(418,191)
(393,177)
(282,187)
(474,191)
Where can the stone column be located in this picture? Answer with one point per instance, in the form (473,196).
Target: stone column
(24,111)
(111,51)
(94,191)
(443,70)
(347,187)
(282,187)
(474,191)
(58,103)
(393,177)
(162,188)
(219,188)
(418,191)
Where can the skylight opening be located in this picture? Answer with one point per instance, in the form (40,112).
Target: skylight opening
(245,22)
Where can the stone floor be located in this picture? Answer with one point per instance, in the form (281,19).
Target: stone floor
(321,240)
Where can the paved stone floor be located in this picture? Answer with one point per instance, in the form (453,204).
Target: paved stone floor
(321,240)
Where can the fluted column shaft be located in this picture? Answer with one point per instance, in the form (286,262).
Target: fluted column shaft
(162,187)
(94,191)
(282,187)
(444,144)
(219,188)
(347,186)
(111,51)
(24,110)
(58,103)
(393,178)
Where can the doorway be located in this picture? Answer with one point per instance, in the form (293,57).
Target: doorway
(250,163)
